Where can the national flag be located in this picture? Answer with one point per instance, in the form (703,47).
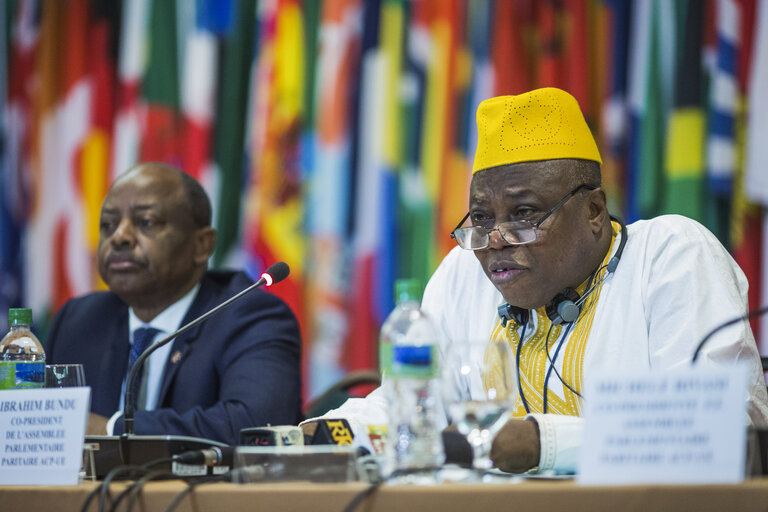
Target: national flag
(274,222)
(614,127)
(510,55)
(96,157)
(723,99)
(576,61)
(490,27)
(650,64)
(757,131)
(199,57)
(756,184)
(57,247)
(328,204)
(370,260)
(238,47)
(161,135)
(132,63)
(18,48)
(414,242)
(683,191)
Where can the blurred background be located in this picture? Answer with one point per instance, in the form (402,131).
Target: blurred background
(338,135)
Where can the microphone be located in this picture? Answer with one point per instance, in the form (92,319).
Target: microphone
(333,431)
(274,274)
(751,314)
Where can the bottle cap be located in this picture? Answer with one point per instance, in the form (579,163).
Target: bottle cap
(407,290)
(20,316)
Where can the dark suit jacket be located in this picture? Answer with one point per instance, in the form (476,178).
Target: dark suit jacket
(239,368)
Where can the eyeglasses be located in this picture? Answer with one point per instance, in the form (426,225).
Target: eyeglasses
(516,232)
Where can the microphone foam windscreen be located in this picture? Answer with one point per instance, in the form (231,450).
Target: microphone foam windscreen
(278,271)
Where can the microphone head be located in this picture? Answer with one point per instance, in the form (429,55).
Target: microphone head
(277,272)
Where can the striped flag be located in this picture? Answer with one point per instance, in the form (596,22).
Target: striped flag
(511,67)
(199,58)
(723,99)
(684,156)
(615,121)
(56,236)
(161,134)
(229,132)
(16,108)
(756,184)
(757,148)
(97,149)
(650,63)
(274,217)
(370,263)
(328,205)
(132,63)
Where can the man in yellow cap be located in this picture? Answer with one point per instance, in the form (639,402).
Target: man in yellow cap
(542,266)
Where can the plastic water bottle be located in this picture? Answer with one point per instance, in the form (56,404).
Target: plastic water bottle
(22,358)
(409,360)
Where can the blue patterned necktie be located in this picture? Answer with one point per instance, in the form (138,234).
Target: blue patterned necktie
(142,338)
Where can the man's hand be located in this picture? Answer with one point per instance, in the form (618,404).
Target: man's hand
(516,448)
(97,425)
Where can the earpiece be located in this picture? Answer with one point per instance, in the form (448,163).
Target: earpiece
(564,307)
(508,312)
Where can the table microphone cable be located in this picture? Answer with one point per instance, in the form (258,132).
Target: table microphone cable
(103,488)
(133,490)
(191,484)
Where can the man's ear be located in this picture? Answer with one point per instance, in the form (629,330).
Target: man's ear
(205,241)
(598,209)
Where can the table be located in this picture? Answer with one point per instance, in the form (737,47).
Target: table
(528,495)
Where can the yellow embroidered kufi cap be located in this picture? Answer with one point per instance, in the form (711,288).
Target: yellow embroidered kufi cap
(544,124)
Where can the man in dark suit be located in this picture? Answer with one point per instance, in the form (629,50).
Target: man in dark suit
(240,368)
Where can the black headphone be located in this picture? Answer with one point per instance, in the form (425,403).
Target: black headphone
(565,307)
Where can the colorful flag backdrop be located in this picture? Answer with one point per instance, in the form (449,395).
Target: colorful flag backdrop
(338,135)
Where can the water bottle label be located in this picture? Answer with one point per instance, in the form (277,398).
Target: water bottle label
(22,374)
(418,362)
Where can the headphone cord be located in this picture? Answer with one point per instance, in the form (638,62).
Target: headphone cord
(552,365)
(517,367)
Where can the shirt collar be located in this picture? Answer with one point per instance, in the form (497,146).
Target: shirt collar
(169,319)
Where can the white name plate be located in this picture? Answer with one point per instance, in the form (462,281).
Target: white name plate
(686,426)
(41,435)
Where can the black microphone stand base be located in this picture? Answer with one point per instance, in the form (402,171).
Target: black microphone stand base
(110,452)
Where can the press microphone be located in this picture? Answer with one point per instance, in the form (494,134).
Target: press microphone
(333,431)
(743,318)
(274,274)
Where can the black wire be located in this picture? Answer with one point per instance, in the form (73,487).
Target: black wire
(158,461)
(517,367)
(103,489)
(552,365)
(180,497)
(362,495)
(191,484)
(133,490)
(749,315)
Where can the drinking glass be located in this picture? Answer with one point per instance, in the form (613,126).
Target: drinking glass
(64,375)
(480,390)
